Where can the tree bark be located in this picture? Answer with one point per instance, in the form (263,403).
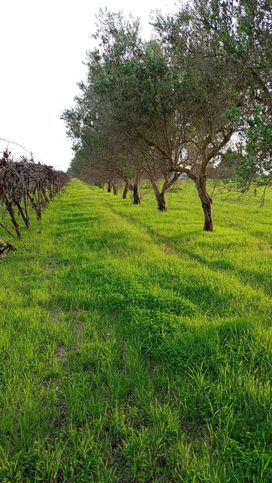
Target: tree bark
(126,190)
(160,195)
(206,202)
(115,189)
(161,201)
(109,187)
(99,184)
(136,194)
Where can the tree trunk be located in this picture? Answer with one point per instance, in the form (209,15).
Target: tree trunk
(115,189)
(126,190)
(206,202)
(109,187)
(99,184)
(160,195)
(136,194)
(161,201)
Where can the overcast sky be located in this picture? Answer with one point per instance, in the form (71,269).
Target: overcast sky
(42,47)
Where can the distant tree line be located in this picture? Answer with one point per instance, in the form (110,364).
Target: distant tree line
(194,100)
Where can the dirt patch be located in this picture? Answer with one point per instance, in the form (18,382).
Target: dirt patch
(61,354)
(51,265)
(196,434)
(56,314)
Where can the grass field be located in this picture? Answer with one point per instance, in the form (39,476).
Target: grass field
(134,346)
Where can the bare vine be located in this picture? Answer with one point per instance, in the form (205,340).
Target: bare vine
(25,185)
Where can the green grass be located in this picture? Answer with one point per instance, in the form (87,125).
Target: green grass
(134,346)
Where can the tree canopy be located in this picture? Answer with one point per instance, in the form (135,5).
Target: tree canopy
(182,102)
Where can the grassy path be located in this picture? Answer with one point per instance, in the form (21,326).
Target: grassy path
(136,348)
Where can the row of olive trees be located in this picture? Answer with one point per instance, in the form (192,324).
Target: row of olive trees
(195,96)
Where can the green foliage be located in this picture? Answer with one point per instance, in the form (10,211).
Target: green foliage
(152,100)
(252,157)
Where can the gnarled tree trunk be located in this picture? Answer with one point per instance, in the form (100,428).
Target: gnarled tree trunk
(109,187)
(115,189)
(160,195)
(136,193)
(161,201)
(126,190)
(206,202)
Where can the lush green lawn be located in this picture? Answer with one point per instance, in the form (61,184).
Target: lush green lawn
(134,346)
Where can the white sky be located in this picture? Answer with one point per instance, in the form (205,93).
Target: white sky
(42,47)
